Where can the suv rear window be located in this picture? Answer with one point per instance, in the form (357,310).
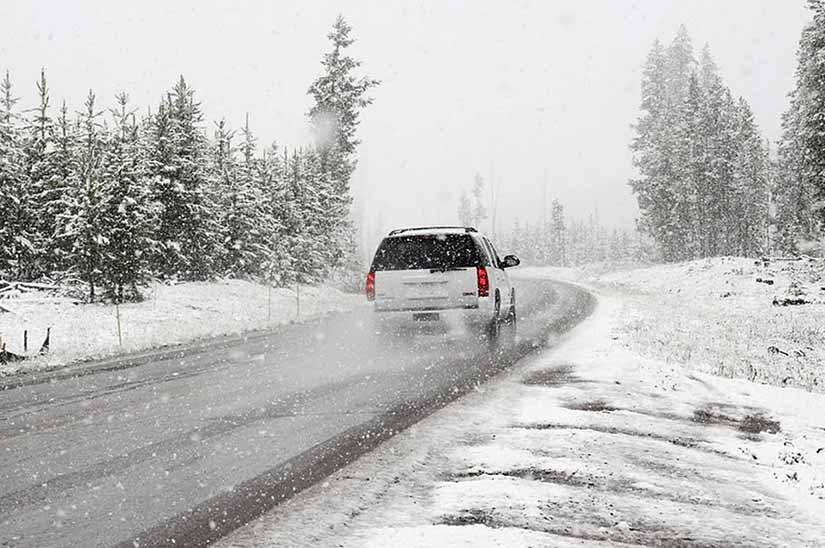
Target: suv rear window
(430,251)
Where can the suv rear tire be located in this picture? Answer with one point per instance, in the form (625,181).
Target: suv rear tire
(511,320)
(493,330)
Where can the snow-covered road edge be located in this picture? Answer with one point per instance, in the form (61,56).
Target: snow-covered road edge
(588,442)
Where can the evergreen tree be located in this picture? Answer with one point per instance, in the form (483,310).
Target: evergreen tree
(57,205)
(83,225)
(339,97)
(304,244)
(651,153)
(247,234)
(690,175)
(793,192)
(680,66)
(675,145)
(811,86)
(703,173)
(17,237)
(44,187)
(749,217)
(717,130)
(159,153)
(271,178)
(465,209)
(559,245)
(188,233)
(128,216)
(800,194)
(222,176)
(151,196)
(479,213)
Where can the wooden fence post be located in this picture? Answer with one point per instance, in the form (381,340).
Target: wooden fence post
(119,334)
(298,301)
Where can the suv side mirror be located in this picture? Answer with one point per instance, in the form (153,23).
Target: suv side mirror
(510,261)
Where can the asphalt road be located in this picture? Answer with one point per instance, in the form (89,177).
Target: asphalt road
(188,445)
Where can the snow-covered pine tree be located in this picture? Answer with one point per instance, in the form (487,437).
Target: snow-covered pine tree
(651,152)
(128,215)
(465,209)
(340,96)
(271,179)
(58,205)
(690,161)
(188,233)
(198,234)
(284,267)
(332,224)
(559,234)
(477,193)
(688,141)
(322,207)
(222,178)
(159,154)
(544,244)
(800,194)
(716,128)
(304,249)
(674,145)
(17,235)
(811,78)
(82,225)
(244,219)
(680,66)
(749,200)
(793,193)
(536,240)
(255,245)
(38,147)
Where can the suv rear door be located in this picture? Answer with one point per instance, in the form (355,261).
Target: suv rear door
(427,272)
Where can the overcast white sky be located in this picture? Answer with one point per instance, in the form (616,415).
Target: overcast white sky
(528,92)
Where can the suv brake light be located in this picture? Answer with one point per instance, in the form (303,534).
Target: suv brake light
(483,282)
(371,286)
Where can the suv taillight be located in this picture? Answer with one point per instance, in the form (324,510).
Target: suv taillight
(371,286)
(483,282)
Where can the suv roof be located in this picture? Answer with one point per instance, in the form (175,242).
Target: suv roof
(432,230)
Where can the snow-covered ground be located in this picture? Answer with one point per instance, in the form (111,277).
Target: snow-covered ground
(170,314)
(734,317)
(731,317)
(596,442)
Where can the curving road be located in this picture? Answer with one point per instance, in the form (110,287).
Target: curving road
(181,447)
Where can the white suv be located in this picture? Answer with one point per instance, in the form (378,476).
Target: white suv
(442,274)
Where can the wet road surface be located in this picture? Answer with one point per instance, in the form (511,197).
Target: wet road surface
(190,445)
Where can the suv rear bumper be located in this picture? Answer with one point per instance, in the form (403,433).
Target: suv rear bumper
(427,309)
(476,315)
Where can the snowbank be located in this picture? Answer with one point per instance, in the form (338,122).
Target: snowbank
(170,314)
(763,321)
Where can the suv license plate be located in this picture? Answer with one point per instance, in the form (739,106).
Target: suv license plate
(426,317)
